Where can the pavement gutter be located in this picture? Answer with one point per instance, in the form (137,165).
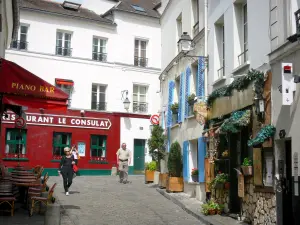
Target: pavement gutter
(207,220)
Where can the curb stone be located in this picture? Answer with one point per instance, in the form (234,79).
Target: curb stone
(204,219)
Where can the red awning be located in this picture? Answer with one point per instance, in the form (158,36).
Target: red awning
(24,88)
(64,82)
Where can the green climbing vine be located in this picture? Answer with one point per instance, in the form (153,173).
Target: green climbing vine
(265,132)
(239,84)
(237,120)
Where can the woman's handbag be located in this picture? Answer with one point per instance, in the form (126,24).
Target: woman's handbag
(75,168)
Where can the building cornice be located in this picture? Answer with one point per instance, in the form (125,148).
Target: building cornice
(122,66)
(112,24)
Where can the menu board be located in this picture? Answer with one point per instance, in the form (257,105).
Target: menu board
(81,149)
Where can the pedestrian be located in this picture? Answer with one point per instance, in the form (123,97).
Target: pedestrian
(76,158)
(123,160)
(66,169)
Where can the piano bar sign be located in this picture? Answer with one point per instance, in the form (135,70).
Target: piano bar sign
(60,121)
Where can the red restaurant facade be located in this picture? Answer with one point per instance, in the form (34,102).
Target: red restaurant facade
(96,134)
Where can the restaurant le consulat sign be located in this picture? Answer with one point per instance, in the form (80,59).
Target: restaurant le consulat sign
(60,121)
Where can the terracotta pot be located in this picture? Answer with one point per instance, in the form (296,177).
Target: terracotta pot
(247,170)
(227,185)
(219,212)
(163,180)
(212,212)
(174,184)
(195,178)
(149,176)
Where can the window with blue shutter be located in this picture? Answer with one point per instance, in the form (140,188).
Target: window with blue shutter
(186,173)
(200,77)
(187,91)
(170,102)
(169,138)
(201,158)
(181,99)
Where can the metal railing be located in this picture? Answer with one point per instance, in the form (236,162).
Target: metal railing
(140,107)
(63,51)
(196,29)
(243,57)
(140,61)
(20,45)
(101,106)
(99,56)
(221,72)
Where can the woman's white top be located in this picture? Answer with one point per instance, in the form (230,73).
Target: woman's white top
(75,155)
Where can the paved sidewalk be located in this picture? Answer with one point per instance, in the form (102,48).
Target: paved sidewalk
(192,206)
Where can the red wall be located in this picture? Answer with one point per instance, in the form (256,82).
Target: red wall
(39,141)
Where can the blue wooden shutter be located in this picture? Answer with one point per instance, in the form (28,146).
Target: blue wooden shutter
(181,99)
(186,174)
(169,139)
(201,158)
(200,89)
(170,102)
(187,90)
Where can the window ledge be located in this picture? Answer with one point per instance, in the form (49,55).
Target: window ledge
(175,125)
(15,159)
(55,160)
(97,162)
(219,80)
(194,183)
(241,67)
(191,117)
(264,189)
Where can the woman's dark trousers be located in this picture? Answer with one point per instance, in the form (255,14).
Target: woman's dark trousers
(67,174)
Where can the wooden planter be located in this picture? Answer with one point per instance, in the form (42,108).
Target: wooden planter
(149,176)
(163,180)
(174,184)
(247,170)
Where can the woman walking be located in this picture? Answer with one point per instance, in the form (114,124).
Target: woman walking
(66,168)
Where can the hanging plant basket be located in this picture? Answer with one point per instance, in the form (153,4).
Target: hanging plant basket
(247,170)
(219,186)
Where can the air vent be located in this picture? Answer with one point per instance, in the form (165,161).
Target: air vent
(71,5)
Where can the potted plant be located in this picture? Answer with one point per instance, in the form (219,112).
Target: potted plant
(175,180)
(149,171)
(219,181)
(212,208)
(195,175)
(156,144)
(174,108)
(191,99)
(247,167)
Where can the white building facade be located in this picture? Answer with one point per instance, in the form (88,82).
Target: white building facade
(182,78)
(98,60)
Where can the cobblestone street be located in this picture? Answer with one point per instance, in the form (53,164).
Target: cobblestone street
(104,201)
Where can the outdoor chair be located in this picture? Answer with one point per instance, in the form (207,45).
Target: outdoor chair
(6,196)
(44,200)
(42,187)
(39,174)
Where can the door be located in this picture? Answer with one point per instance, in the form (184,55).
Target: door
(139,154)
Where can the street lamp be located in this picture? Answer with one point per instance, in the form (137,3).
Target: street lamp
(185,42)
(126,101)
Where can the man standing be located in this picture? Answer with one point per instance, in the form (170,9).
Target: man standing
(123,159)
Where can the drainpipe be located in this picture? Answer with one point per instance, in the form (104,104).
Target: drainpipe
(205,47)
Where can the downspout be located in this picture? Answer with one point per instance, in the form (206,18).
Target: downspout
(205,48)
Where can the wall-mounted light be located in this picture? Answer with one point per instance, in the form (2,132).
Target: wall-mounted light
(82,112)
(185,42)
(126,101)
(259,105)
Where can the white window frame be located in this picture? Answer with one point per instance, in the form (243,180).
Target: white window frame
(140,48)
(63,41)
(245,38)
(98,92)
(19,33)
(138,94)
(99,47)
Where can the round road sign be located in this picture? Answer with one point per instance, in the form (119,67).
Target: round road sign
(20,122)
(154,119)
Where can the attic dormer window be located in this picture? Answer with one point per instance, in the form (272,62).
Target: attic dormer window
(138,8)
(71,5)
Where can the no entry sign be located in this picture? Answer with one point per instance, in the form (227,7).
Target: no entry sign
(20,122)
(154,119)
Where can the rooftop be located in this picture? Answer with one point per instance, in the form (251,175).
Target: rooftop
(58,9)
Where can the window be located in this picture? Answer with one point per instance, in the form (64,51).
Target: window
(140,104)
(21,43)
(66,86)
(220,32)
(140,53)
(98,97)
(268,167)
(243,57)
(138,8)
(98,146)
(63,44)
(195,8)
(99,49)
(15,142)
(60,141)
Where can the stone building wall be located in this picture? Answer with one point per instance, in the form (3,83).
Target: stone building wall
(258,208)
